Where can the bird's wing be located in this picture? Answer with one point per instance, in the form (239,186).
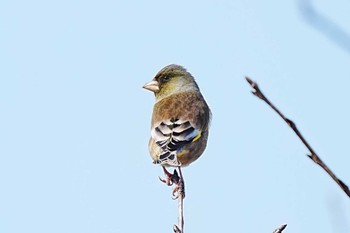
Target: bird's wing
(171,136)
(177,121)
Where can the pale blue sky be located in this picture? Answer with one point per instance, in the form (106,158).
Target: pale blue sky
(75,119)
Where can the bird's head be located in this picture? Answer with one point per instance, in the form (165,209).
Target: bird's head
(170,80)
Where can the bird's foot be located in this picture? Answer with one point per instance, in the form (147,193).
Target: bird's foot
(174,178)
(170,178)
(179,190)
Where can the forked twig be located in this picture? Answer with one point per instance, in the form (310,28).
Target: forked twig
(280,229)
(313,156)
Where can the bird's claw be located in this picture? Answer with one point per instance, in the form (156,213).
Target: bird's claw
(174,178)
(179,190)
(166,181)
(170,178)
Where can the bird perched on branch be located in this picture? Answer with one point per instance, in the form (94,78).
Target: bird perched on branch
(180,120)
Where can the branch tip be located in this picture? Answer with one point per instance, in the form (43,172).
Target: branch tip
(248,80)
(251,82)
(280,229)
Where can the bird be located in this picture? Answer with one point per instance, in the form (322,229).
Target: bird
(180,120)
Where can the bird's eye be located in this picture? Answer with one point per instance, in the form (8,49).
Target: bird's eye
(165,78)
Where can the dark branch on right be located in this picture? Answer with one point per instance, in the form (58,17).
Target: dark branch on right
(313,156)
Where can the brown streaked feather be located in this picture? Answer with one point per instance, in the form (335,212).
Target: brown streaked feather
(186,106)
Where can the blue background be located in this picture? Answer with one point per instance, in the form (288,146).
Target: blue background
(75,120)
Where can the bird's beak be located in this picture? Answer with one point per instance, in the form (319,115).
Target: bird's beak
(152,86)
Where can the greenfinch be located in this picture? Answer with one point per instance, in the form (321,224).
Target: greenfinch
(180,119)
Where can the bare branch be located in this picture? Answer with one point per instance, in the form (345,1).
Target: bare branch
(313,156)
(280,229)
(180,196)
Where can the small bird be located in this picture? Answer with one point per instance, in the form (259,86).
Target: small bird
(180,120)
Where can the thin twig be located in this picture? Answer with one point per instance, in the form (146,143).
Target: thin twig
(280,229)
(181,195)
(313,156)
